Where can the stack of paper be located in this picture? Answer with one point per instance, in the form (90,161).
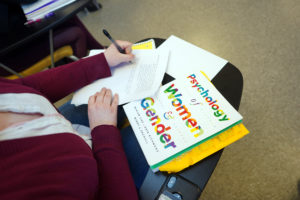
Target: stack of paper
(132,81)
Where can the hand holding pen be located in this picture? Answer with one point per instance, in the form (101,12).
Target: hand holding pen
(118,52)
(121,50)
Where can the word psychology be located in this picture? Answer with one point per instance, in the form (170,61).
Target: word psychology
(211,102)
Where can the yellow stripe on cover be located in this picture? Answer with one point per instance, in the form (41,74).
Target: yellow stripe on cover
(205,149)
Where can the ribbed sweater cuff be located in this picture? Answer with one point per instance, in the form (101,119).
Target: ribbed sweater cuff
(106,136)
(97,65)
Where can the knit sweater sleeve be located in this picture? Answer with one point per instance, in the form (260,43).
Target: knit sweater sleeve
(115,180)
(59,82)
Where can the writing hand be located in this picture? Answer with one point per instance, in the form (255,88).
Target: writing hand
(114,57)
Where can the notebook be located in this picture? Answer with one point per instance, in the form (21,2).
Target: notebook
(42,8)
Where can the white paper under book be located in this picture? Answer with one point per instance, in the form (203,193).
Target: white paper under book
(186,58)
(182,114)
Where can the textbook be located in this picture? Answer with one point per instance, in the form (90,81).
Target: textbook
(181,115)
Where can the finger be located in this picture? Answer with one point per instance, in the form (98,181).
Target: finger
(124,44)
(92,99)
(115,102)
(100,95)
(128,50)
(126,57)
(107,97)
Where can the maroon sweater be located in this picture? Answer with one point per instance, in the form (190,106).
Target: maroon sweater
(62,166)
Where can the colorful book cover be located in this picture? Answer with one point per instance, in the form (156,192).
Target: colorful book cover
(183,114)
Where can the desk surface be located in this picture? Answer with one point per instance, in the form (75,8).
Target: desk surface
(35,30)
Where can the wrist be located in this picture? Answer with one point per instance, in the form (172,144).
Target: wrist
(106,56)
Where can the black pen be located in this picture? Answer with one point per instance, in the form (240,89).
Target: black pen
(114,42)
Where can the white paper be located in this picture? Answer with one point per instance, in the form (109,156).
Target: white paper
(95,51)
(132,81)
(186,58)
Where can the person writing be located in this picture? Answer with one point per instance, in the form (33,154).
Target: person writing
(42,157)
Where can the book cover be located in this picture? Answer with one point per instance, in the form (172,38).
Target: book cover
(183,114)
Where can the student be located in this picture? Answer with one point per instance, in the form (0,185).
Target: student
(42,157)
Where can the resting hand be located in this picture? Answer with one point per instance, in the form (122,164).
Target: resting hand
(114,57)
(102,108)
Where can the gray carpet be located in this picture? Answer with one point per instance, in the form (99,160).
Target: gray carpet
(262,38)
